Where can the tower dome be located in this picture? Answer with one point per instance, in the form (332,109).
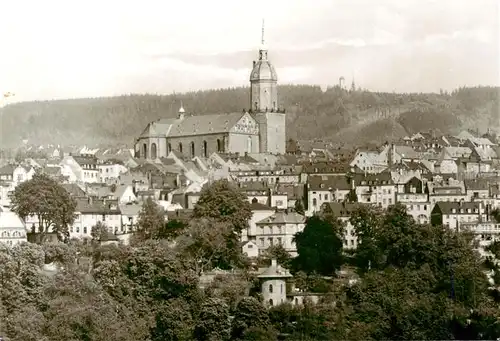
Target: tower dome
(263,69)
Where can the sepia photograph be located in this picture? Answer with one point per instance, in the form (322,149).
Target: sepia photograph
(280,170)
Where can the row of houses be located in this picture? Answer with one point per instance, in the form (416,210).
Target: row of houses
(111,188)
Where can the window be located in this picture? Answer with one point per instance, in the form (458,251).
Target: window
(271,302)
(85,229)
(326,197)
(180,147)
(77,229)
(169,148)
(270,288)
(192,149)
(219,146)
(281,288)
(205,149)
(315,202)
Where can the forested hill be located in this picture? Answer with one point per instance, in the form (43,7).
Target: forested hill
(348,116)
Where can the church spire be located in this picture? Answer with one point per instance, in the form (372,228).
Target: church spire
(262,38)
(263,49)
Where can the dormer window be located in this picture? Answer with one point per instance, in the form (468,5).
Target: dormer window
(453,210)
(322,186)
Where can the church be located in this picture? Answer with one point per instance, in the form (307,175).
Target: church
(262,129)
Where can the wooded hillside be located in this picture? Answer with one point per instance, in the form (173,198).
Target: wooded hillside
(348,116)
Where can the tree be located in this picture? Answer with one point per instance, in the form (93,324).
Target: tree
(151,220)
(209,243)
(319,246)
(224,202)
(250,316)
(99,231)
(214,322)
(352,196)
(173,322)
(44,198)
(172,229)
(299,206)
(279,253)
(231,288)
(366,221)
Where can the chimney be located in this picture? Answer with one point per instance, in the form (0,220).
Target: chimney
(274,263)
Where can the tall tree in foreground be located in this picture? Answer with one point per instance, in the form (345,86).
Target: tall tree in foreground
(47,200)
(319,246)
(151,221)
(224,202)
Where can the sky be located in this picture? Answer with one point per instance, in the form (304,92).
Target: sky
(55,49)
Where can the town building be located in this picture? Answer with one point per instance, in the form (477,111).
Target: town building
(12,228)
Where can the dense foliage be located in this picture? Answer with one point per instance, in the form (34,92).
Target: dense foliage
(415,282)
(352,117)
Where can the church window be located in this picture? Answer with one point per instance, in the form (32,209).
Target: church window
(219,146)
(270,288)
(153,151)
(180,147)
(249,144)
(205,149)
(145,150)
(169,148)
(192,149)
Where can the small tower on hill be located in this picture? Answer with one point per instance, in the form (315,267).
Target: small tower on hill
(273,284)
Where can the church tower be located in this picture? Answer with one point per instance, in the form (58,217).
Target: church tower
(264,104)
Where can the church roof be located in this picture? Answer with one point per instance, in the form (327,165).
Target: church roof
(193,125)
(204,124)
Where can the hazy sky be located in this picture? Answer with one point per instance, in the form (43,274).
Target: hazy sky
(75,48)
